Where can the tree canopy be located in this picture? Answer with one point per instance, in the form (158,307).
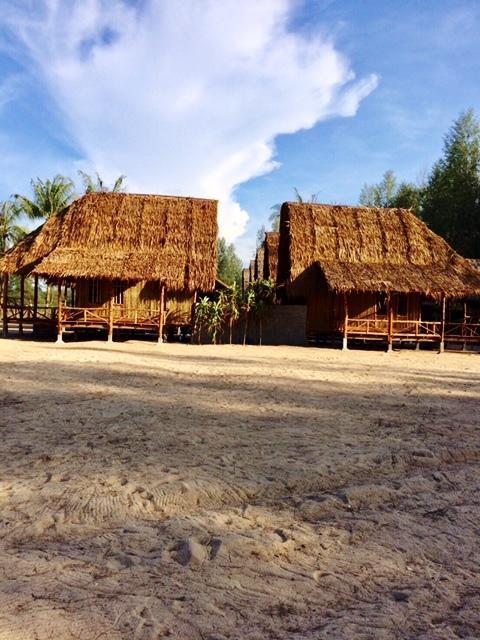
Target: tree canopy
(451,204)
(229,265)
(449,201)
(49,197)
(389,193)
(97,184)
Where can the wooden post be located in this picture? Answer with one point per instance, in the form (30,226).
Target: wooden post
(22,305)
(390,323)
(345,324)
(35,297)
(59,313)
(110,315)
(160,317)
(192,315)
(442,326)
(5,305)
(464,328)
(419,320)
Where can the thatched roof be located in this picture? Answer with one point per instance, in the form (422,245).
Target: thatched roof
(271,255)
(252,270)
(360,249)
(259,259)
(245,278)
(125,237)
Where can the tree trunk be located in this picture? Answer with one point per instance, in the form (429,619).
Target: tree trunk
(245,330)
(231,328)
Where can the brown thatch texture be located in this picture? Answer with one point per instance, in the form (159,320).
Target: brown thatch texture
(259,260)
(271,255)
(126,237)
(361,249)
(252,270)
(245,278)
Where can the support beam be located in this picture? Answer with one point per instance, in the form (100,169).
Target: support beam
(345,323)
(5,305)
(192,315)
(161,316)
(442,326)
(22,305)
(110,315)
(390,323)
(59,314)
(35,297)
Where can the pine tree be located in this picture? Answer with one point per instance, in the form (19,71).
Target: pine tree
(452,196)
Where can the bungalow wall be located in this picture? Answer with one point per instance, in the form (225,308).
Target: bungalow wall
(326,310)
(130,296)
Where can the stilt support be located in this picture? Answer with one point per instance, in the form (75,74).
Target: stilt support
(161,314)
(345,323)
(5,305)
(110,316)
(59,314)
(442,327)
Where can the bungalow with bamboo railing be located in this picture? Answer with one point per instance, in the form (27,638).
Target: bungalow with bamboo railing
(116,261)
(374,274)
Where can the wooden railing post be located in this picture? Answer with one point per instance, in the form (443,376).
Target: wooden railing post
(160,317)
(35,297)
(192,315)
(345,324)
(5,305)
(442,326)
(390,323)
(59,313)
(22,305)
(110,316)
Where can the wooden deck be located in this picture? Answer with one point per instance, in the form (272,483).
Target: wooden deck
(413,331)
(66,318)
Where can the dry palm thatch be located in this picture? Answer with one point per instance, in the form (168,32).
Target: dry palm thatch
(252,270)
(259,260)
(271,255)
(360,249)
(245,278)
(125,237)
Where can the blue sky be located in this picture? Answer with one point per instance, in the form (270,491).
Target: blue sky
(236,101)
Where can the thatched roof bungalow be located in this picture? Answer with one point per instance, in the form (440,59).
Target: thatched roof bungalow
(378,265)
(259,262)
(271,255)
(124,245)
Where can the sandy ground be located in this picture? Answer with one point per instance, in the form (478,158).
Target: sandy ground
(227,492)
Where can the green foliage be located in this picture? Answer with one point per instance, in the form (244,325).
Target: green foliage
(229,265)
(10,229)
(388,193)
(451,204)
(214,315)
(209,316)
(50,197)
(91,185)
(231,302)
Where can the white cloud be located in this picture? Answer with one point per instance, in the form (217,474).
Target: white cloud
(183,97)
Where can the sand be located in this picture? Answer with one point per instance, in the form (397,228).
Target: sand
(245,493)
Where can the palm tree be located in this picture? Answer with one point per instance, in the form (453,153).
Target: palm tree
(274,217)
(10,231)
(49,197)
(92,186)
